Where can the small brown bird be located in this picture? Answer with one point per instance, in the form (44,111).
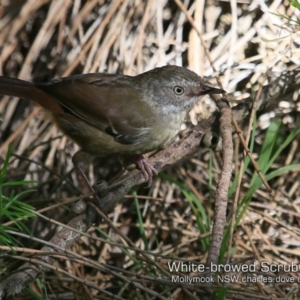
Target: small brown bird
(117,114)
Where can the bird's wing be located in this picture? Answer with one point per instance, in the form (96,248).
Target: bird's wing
(106,102)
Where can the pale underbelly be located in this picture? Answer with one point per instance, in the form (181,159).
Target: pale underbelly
(96,142)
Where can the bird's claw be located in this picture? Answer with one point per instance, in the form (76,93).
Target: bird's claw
(147,169)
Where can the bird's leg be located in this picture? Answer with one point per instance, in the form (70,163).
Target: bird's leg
(146,169)
(77,160)
(142,164)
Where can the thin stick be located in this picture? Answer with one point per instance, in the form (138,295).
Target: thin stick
(236,126)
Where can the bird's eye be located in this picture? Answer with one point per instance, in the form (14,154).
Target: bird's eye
(178,90)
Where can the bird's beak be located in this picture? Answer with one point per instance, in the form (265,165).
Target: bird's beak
(206,89)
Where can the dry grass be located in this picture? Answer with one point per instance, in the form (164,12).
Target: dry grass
(42,39)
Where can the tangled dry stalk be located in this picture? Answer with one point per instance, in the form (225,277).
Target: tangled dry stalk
(130,257)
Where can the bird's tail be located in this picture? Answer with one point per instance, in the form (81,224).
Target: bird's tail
(27,90)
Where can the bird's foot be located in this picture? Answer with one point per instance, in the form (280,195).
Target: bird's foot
(147,169)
